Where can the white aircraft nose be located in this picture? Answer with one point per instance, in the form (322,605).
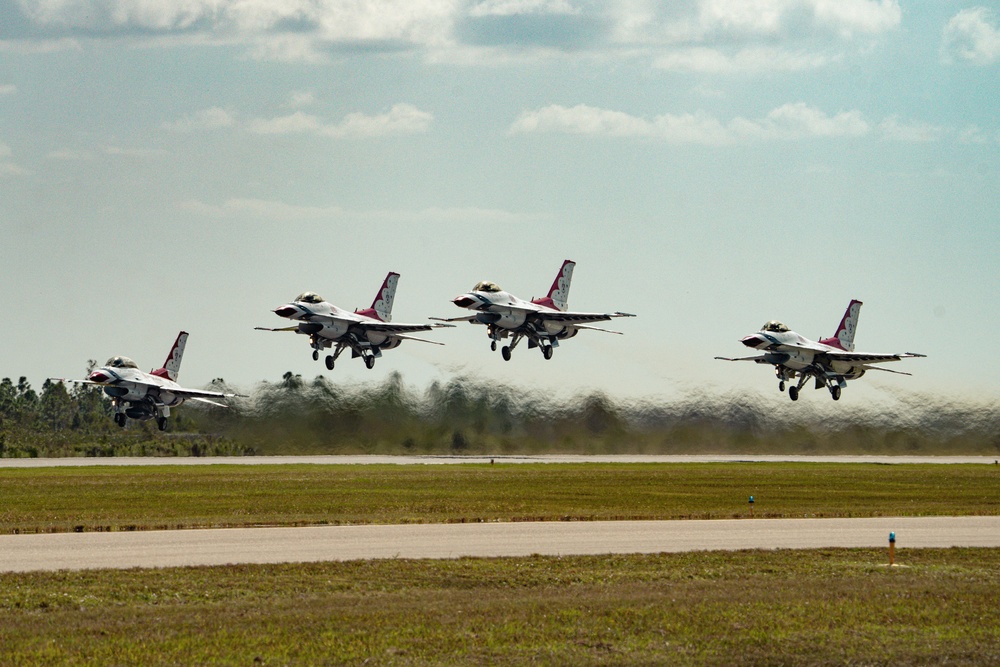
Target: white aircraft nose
(99,376)
(286,310)
(464,301)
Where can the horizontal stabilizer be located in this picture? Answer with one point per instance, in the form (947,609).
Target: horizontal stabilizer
(759,360)
(593,328)
(295,328)
(885,370)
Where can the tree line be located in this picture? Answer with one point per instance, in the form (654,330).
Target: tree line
(469,416)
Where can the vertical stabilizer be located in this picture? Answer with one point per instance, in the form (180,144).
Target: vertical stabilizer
(844,338)
(382,305)
(559,292)
(172,366)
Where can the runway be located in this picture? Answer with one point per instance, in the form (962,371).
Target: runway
(78,551)
(497,459)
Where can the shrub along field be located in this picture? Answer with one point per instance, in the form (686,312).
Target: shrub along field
(137,498)
(468,416)
(823,607)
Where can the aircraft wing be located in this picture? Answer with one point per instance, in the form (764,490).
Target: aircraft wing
(571,318)
(463,318)
(865,358)
(394,329)
(294,328)
(759,359)
(199,393)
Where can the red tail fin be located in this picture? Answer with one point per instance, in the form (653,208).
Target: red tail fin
(172,366)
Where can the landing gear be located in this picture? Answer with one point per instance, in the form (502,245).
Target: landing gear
(781,385)
(505,353)
(493,346)
(161,423)
(120,419)
(315,355)
(547,351)
(793,393)
(370,362)
(835,392)
(329,362)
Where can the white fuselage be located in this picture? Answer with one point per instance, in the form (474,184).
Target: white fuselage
(132,385)
(506,311)
(796,352)
(327,321)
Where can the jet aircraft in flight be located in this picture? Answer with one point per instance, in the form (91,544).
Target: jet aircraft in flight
(831,361)
(543,321)
(142,396)
(367,332)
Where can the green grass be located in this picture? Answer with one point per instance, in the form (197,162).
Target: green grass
(137,498)
(831,606)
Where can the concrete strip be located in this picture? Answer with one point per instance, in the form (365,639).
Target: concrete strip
(76,551)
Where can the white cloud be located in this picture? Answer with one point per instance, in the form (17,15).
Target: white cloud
(401,119)
(301,98)
(894,129)
(69,155)
(206,119)
(9,168)
(134,152)
(776,18)
(791,121)
(970,36)
(8,89)
(973,134)
(750,60)
(515,7)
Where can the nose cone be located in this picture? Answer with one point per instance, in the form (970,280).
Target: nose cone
(756,341)
(286,311)
(464,301)
(99,377)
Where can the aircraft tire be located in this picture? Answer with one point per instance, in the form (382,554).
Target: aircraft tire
(161,423)
(781,386)
(120,419)
(493,346)
(793,393)
(329,362)
(547,351)
(315,355)
(505,353)
(835,392)
(370,362)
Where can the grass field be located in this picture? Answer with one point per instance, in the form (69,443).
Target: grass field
(825,607)
(137,498)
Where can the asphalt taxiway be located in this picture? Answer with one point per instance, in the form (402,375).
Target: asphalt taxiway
(77,551)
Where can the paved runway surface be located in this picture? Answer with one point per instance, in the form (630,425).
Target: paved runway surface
(444,460)
(19,553)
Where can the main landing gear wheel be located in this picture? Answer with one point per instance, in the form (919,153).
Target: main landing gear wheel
(793,393)
(781,386)
(161,423)
(505,353)
(329,362)
(547,351)
(835,392)
(493,346)
(370,362)
(315,355)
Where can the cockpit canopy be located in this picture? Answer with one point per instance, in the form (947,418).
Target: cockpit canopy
(775,326)
(121,362)
(309,297)
(486,286)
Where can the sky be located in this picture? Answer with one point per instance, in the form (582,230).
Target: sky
(709,164)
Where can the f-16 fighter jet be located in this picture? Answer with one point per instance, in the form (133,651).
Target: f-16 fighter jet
(142,396)
(543,321)
(831,361)
(367,332)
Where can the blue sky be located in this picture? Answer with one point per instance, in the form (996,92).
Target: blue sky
(710,165)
